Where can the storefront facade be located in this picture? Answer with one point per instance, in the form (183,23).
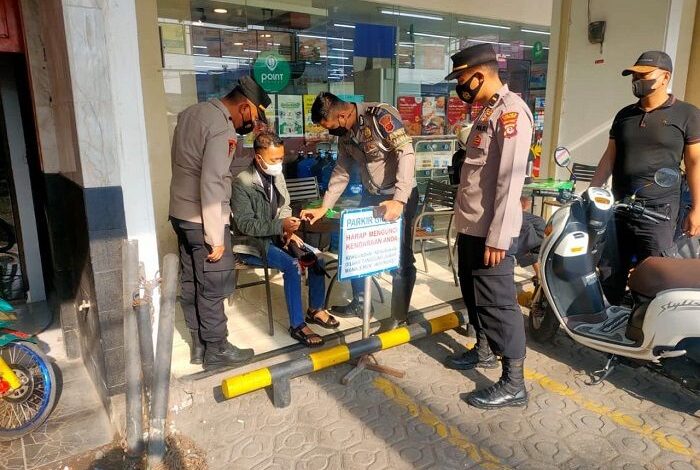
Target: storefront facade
(107,80)
(361,51)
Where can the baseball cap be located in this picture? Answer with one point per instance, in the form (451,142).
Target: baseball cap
(471,57)
(254,92)
(650,60)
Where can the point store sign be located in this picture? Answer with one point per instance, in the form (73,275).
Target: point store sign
(271,72)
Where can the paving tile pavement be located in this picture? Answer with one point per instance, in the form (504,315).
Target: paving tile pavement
(637,419)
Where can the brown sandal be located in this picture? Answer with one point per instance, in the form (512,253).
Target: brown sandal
(308,340)
(311,317)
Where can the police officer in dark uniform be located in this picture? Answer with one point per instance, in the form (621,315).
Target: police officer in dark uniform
(203,147)
(372,136)
(658,131)
(488,217)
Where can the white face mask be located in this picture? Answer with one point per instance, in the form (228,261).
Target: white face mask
(272,169)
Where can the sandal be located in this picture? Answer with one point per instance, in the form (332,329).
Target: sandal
(309,340)
(311,317)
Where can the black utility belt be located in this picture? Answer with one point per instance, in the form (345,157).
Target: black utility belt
(383,192)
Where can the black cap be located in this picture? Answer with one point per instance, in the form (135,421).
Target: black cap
(649,61)
(470,57)
(254,92)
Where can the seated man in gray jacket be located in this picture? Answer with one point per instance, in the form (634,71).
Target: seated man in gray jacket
(260,205)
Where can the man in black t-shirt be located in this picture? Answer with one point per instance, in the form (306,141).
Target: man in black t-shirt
(659,131)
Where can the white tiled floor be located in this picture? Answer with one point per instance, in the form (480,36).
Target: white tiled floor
(247,317)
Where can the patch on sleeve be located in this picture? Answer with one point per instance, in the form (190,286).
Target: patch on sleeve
(232,143)
(398,138)
(509,121)
(390,129)
(387,123)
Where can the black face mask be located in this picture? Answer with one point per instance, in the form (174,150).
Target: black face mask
(643,87)
(468,94)
(247,126)
(339,131)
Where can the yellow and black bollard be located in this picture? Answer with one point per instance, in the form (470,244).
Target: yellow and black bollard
(278,375)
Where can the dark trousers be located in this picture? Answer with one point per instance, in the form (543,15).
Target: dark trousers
(629,241)
(404,278)
(490,297)
(203,285)
(530,239)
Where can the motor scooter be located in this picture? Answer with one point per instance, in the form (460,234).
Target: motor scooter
(665,291)
(27,380)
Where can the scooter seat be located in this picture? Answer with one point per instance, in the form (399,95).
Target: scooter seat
(654,275)
(657,274)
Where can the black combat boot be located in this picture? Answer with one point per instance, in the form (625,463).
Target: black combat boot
(401,291)
(508,391)
(223,353)
(479,356)
(197,348)
(354,309)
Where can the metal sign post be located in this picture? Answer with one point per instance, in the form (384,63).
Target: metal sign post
(368,245)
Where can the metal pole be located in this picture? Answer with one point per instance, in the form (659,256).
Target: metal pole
(132,371)
(164,348)
(367,307)
(143,307)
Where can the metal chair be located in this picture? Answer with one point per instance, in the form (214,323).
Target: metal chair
(258,247)
(439,202)
(579,173)
(303,189)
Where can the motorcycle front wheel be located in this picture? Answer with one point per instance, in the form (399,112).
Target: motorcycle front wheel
(542,322)
(26,408)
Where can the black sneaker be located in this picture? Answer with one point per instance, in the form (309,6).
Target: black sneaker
(224,354)
(354,309)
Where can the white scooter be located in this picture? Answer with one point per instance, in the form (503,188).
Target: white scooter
(666,291)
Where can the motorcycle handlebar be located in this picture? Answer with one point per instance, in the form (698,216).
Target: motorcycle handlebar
(638,209)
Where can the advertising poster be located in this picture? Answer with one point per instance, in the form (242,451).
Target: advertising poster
(312,131)
(457,114)
(475,111)
(290,115)
(433,115)
(538,76)
(410,110)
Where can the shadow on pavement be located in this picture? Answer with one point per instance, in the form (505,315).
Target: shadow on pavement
(629,376)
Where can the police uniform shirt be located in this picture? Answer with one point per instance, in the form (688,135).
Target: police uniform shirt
(493,173)
(203,146)
(379,144)
(648,140)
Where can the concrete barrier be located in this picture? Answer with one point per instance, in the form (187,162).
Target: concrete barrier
(278,375)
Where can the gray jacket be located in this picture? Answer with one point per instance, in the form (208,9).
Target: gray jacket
(252,216)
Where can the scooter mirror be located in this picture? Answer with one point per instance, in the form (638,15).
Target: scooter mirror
(562,157)
(666,177)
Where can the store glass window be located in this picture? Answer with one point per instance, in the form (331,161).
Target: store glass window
(359,50)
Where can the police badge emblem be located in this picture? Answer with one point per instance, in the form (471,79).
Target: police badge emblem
(509,121)
(387,123)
